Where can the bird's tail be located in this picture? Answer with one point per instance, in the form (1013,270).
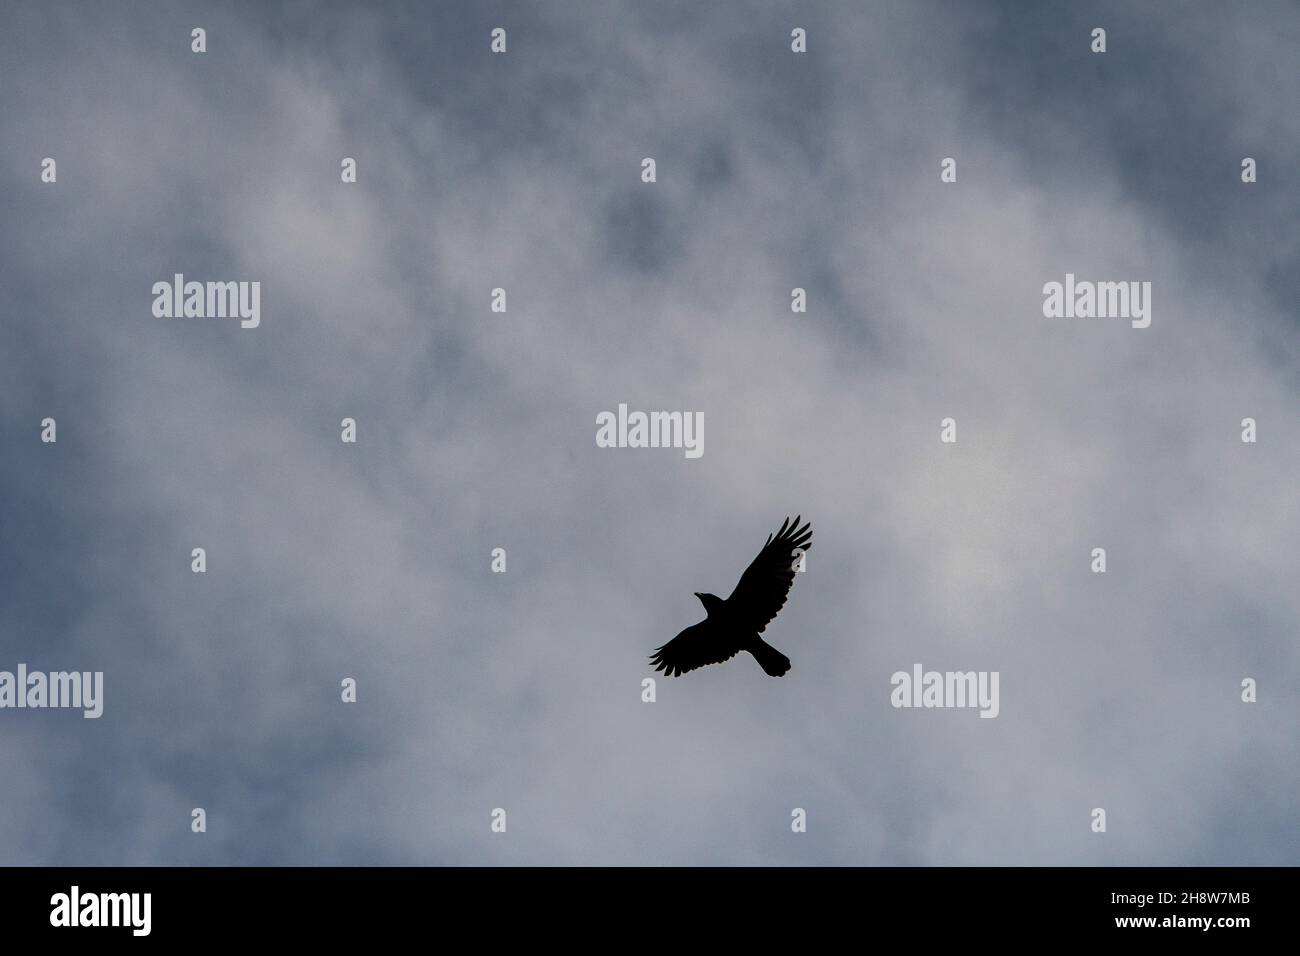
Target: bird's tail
(769,658)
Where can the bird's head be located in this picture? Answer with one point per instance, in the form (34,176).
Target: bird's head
(711,602)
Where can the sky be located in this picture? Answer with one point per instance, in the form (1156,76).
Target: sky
(476,430)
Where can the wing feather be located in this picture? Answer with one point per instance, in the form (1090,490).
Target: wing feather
(763,588)
(697,646)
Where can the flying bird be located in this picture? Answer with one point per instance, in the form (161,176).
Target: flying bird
(733,625)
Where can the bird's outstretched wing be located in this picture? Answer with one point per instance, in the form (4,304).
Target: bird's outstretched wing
(762,589)
(698,645)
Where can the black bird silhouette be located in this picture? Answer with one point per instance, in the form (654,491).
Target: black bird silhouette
(733,625)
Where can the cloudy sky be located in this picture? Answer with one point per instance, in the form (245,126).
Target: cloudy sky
(476,430)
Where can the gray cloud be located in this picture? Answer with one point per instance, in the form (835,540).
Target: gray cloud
(477,430)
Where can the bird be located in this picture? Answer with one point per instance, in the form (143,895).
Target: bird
(734,625)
